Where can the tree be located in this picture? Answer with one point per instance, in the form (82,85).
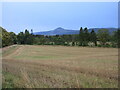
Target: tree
(31,31)
(75,39)
(67,39)
(93,37)
(5,37)
(85,37)
(81,34)
(116,38)
(20,38)
(28,38)
(13,38)
(103,36)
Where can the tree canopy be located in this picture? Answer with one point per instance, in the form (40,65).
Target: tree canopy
(84,38)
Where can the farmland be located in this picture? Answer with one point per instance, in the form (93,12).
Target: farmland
(40,66)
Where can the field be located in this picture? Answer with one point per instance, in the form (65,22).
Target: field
(33,66)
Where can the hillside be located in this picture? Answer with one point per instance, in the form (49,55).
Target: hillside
(57,31)
(62,31)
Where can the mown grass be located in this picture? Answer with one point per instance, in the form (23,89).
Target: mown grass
(61,67)
(34,57)
(11,81)
(50,77)
(9,50)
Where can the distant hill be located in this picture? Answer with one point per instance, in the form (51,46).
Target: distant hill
(62,31)
(96,29)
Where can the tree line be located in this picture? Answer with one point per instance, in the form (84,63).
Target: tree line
(102,38)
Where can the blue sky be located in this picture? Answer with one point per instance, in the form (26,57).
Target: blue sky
(44,16)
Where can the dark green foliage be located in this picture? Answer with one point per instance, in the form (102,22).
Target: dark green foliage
(115,38)
(13,38)
(93,37)
(81,35)
(103,36)
(118,39)
(20,38)
(84,38)
(28,37)
(25,38)
(7,38)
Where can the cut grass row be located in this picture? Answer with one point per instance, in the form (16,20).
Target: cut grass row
(8,50)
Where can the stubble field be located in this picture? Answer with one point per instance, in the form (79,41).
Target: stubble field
(32,66)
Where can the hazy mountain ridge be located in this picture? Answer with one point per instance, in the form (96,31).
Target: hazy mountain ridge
(62,31)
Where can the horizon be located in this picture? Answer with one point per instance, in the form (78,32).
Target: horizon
(46,16)
(69,29)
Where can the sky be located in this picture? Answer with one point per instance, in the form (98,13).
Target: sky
(45,16)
